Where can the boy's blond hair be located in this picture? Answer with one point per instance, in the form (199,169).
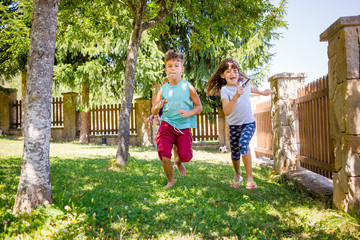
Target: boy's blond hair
(171,55)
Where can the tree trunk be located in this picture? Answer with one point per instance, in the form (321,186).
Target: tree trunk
(23,94)
(35,185)
(85,113)
(127,98)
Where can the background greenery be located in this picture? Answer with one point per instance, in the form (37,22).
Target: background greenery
(92,40)
(91,199)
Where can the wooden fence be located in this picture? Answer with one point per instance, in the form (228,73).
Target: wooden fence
(264,133)
(57,119)
(313,115)
(104,120)
(18,113)
(206,130)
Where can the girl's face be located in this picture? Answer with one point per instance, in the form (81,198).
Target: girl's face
(174,69)
(231,75)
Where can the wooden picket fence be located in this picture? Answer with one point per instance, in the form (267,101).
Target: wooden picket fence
(264,135)
(313,115)
(104,120)
(57,112)
(17,121)
(57,119)
(206,130)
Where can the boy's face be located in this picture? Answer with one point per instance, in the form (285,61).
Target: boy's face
(231,75)
(174,69)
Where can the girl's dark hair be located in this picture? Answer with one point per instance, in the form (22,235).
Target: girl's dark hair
(216,82)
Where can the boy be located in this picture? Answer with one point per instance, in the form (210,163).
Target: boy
(181,104)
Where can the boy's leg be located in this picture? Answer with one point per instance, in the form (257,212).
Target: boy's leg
(168,169)
(184,150)
(179,165)
(165,141)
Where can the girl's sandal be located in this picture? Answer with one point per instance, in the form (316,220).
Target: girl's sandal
(251,185)
(236,184)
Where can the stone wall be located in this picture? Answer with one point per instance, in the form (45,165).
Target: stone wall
(344,109)
(284,87)
(7,99)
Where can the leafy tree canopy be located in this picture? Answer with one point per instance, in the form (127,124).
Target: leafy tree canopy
(92,42)
(15,26)
(209,31)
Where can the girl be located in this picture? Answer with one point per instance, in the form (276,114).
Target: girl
(232,85)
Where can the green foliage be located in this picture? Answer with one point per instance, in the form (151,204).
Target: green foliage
(92,40)
(14,36)
(91,44)
(209,31)
(92,200)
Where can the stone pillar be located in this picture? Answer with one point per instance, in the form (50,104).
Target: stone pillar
(284,87)
(7,117)
(343,38)
(70,116)
(143,127)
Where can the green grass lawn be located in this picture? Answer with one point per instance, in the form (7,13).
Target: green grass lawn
(92,200)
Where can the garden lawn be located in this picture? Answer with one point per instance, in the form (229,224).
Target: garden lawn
(94,200)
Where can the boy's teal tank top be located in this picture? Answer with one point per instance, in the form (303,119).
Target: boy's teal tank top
(178,97)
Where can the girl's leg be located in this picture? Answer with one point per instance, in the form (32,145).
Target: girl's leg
(168,169)
(247,132)
(235,154)
(237,178)
(248,166)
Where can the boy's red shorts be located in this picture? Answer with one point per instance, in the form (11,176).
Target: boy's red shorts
(167,136)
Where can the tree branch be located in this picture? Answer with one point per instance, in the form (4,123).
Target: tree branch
(130,4)
(162,14)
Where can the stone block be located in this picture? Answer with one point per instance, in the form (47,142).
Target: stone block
(338,156)
(332,76)
(354,186)
(333,46)
(337,106)
(352,204)
(286,135)
(352,166)
(353,106)
(4,111)
(351,47)
(338,193)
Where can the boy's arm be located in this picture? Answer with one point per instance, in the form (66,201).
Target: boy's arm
(197,103)
(266,92)
(158,104)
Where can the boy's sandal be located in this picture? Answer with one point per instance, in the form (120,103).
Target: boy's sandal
(236,184)
(251,185)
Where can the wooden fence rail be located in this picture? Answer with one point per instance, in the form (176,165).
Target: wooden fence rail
(104,120)
(313,116)
(57,119)
(264,133)
(206,131)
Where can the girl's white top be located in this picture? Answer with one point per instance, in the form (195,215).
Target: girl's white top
(242,112)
